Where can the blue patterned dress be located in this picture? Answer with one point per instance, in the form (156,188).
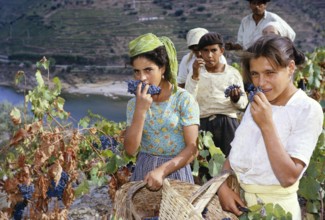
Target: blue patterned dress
(162,137)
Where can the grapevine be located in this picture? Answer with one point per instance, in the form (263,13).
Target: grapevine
(132,87)
(56,190)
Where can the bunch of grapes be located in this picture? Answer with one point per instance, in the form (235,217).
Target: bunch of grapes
(204,212)
(19,209)
(57,191)
(27,193)
(110,143)
(131,167)
(230,88)
(132,87)
(253,92)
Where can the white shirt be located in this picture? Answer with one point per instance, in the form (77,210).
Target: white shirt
(298,123)
(186,66)
(209,92)
(248,31)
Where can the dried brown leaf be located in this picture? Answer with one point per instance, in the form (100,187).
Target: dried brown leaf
(68,195)
(11,185)
(93,130)
(24,176)
(19,136)
(21,160)
(15,116)
(55,172)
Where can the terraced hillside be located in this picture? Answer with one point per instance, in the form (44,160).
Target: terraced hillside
(97,31)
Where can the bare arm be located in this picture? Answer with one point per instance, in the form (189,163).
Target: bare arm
(286,169)
(229,200)
(155,178)
(133,133)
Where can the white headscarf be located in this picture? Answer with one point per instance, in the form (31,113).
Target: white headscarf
(279,27)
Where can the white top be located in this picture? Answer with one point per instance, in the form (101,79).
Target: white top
(299,124)
(186,66)
(209,92)
(248,31)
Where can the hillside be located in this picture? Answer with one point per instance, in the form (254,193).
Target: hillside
(97,31)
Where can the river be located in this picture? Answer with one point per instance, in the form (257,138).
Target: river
(78,105)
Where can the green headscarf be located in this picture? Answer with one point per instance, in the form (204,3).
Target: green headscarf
(149,42)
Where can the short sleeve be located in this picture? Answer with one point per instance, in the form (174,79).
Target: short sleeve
(130,111)
(306,131)
(189,109)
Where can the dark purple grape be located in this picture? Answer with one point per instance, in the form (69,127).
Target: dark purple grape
(253,92)
(110,143)
(151,218)
(205,212)
(57,190)
(19,209)
(302,84)
(26,191)
(131,167)
(230,88)
(132,87)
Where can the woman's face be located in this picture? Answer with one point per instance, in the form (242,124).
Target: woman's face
(274,81)
(211,55)
(147,71)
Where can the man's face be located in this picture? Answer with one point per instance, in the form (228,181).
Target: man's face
(257,7)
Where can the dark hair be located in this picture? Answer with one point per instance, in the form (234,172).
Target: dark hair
(210,39)
(279,50)
(159,56)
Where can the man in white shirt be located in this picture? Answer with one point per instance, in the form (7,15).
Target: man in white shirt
(252,25)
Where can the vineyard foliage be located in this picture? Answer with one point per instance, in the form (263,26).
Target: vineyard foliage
(45,154)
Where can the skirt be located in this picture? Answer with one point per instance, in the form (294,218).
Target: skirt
(287,198)
(147,162)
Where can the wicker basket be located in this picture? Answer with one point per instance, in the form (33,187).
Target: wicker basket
(173,202)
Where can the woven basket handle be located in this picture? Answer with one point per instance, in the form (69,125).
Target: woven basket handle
(130,210)
(209,189)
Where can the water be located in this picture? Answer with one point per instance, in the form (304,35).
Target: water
(78,105)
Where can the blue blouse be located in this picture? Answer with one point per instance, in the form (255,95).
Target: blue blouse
(163,128)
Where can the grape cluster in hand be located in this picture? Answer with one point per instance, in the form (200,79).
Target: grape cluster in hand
(57,191)
(132,87)
(253,92)
(230,88)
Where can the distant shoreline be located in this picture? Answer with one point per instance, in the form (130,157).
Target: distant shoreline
(110,88)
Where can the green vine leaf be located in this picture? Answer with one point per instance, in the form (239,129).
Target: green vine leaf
(39,78)
(83,188)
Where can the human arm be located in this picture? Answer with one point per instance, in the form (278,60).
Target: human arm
(193,77)
(287,169)
(155,178)
(229,200)
(133,132)
(183,70)
(240,37)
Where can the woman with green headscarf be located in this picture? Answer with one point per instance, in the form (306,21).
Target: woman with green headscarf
(161,128)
